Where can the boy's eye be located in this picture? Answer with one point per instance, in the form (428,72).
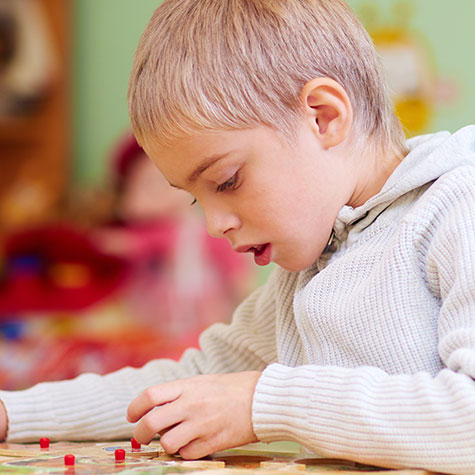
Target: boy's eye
(193,202)
(229,184)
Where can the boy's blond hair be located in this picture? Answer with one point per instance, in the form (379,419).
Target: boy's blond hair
(224,64)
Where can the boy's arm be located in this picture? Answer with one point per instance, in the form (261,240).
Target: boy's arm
(93,407)
(400,420)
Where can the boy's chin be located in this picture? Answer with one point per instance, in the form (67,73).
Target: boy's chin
(295,266)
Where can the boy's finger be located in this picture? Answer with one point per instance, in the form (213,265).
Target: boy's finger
(177,437)
(196,449)
(152,397)
(161,420)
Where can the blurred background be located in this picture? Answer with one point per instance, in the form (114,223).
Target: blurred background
(102,264)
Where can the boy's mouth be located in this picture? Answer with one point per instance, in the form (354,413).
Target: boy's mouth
(262,253)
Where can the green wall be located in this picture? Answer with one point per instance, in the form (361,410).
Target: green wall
(107,32)
(106,35)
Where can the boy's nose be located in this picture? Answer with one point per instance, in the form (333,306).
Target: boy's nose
(219,222)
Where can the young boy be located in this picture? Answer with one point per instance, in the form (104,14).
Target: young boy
(273,114)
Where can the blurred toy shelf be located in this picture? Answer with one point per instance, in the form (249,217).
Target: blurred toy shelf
(34,109)
(18,131)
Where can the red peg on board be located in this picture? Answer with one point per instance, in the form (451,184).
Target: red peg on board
(119,455)
(44,443)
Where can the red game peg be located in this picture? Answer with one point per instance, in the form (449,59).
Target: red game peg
(69,460)
(135,444)
(119,455)
(44,443)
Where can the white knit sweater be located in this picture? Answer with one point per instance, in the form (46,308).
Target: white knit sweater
(368,355)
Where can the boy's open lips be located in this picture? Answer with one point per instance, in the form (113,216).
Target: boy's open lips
(262,253)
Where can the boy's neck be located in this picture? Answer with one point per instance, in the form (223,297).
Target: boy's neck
(373,171)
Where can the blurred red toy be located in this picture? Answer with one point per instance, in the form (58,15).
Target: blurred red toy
(56,268)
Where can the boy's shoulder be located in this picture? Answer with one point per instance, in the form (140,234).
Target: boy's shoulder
(451,196)
(446,187)
(458,180)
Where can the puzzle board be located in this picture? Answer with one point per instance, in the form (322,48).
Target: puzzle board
(98,458)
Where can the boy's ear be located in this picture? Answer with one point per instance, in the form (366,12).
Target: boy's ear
(328,106)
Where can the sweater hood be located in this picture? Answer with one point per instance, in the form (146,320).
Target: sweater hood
(429,157)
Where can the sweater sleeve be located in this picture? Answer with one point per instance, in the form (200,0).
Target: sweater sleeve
(397,420)
(93,407)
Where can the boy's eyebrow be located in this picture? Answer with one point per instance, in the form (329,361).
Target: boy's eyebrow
(208,162)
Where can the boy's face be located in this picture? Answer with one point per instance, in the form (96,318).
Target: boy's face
(265,196)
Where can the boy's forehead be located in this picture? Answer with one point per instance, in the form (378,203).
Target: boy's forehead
(210,142)
(190,148)
(193,147)
(204,138)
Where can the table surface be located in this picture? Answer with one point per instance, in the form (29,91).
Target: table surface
(99,458)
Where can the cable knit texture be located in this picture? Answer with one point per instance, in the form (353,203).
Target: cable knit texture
(368,355)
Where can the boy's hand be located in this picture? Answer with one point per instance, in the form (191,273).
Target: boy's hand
(3,422)
(197,416)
